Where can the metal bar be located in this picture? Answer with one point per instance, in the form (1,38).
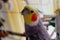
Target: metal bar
(18,34)
(13,33)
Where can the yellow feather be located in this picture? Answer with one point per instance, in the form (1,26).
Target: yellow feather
(27,18)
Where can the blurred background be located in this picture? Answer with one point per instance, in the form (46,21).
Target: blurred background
(48,15)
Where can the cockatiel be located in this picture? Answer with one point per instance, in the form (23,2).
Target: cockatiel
(33,25)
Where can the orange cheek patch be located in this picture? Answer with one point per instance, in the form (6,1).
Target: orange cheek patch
(34,17)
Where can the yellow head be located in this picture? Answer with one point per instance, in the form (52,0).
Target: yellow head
(30,14)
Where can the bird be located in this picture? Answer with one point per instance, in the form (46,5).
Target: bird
(33,24)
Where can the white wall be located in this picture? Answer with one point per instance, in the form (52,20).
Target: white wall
(46,6)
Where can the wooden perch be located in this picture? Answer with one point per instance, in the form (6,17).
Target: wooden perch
(6,33)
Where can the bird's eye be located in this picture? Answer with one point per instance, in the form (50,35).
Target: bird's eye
(31,11)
